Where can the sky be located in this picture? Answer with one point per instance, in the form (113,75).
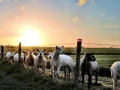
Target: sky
(48,22)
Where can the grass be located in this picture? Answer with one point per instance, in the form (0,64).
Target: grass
(16,77)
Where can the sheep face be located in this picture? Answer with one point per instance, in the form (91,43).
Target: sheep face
(40,53)
(30,52)
(50,55)
(60,49)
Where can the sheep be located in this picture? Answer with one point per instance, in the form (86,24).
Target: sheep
(40,61)
(30,58)
(9,56)
(59,59)
(16,57)
(115,73)
(50,56)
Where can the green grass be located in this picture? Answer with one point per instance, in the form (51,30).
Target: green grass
(16,77)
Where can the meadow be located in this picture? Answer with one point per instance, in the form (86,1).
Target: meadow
(16,77)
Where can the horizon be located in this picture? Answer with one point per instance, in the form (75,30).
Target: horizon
(48,22)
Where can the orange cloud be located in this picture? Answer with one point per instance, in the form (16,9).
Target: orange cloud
(82,2)
(22,8)
(1,0)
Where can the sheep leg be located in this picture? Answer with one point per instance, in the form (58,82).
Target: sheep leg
(67,73)
(82,73)
(89,81)
(96,78)
(57,73)
(79,77)
(114,78)
(52,69)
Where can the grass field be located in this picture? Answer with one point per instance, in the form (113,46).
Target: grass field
(16,77)
(103,60)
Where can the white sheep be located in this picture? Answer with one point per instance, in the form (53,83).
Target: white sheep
(50,56)
(16,57)
(59,60)
(9,56)
(115,73)
(40,60)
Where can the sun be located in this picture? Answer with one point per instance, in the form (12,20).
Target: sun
(30,37)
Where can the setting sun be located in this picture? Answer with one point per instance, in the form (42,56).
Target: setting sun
(30,37)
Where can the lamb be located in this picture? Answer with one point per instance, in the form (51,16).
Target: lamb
(40,60)
(16,57)
(30,58)
(9,56)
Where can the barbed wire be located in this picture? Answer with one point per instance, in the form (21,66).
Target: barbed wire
(97,44)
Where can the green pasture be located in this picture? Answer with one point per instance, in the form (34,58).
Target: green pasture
(103,60)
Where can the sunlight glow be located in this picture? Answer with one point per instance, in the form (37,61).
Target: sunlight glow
(30,37)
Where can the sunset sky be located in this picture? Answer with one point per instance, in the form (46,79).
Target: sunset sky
(46,22)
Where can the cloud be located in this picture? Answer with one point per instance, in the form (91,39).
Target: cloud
(1,0)
(76,19)
(82,2)
(22,8)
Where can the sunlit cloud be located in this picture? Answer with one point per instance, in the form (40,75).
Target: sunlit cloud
(22,8)
(76,19)
(82,2)
(1,0)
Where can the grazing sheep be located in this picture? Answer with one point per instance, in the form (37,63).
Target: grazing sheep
(9,56)
(40,61)
(16,57)
(115,73)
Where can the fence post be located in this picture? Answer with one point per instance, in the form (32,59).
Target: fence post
(2,51)
(19,52)
(78,52)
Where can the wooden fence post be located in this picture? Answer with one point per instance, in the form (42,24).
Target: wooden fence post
(19,52)
(78,52)
(2,51)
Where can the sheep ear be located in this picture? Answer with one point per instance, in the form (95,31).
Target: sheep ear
(27,50)
(62,46)
(44,50)
(33,49)
(56,47)
(37,50)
